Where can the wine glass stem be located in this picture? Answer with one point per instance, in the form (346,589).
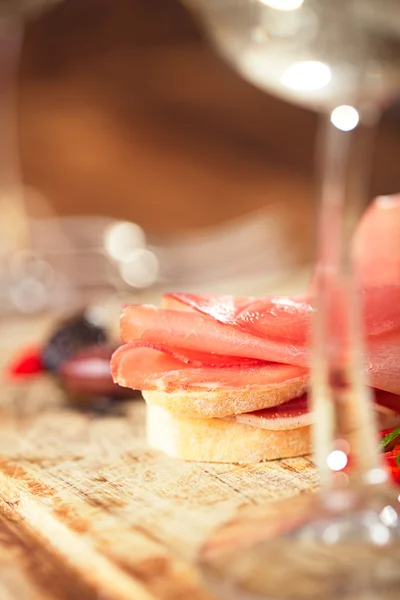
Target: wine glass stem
(345,430)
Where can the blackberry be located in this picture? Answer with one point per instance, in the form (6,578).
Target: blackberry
(71,336)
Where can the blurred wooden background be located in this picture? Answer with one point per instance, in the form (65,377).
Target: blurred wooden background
(125,111)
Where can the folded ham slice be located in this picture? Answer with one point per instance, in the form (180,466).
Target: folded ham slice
(291,415)
(141,367)
(194,331)
(376,244)
(296,413)
(289,319)
(194,358)
(279,318)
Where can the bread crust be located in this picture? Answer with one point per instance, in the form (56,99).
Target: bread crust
(218,440)
(225,403)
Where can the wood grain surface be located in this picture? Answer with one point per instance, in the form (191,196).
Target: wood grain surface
(87,510)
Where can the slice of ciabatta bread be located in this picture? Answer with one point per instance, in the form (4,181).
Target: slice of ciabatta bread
(219,440)
(221,403)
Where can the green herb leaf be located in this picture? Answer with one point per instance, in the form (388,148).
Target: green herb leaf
(390,440)
(398,460)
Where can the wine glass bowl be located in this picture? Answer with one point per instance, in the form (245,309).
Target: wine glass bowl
(309,51)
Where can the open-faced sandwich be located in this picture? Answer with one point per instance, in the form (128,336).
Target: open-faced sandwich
(225,379)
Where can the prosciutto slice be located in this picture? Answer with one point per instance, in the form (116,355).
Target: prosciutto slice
(290,415)
(222,308)
(289,319)
(376,243)
(281,318)
(296,413)
(141,367)
(193,331)
(196,358)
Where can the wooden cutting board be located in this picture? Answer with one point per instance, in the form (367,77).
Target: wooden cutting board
(87,510)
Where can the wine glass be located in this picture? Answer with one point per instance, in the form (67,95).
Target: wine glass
(341,58)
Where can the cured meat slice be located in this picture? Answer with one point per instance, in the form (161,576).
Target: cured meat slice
(387,400)
(382,364)
(376,243)
(145,368)
(296,413)
(382,310)
(289,319)
(280,318)
(222,308)
(198,332)
(196,358)
(291,415)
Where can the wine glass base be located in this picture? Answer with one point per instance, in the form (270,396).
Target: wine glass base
(306,547)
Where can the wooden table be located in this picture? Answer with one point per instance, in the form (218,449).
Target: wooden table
(87,510)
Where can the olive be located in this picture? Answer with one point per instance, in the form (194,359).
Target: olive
(88,373)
